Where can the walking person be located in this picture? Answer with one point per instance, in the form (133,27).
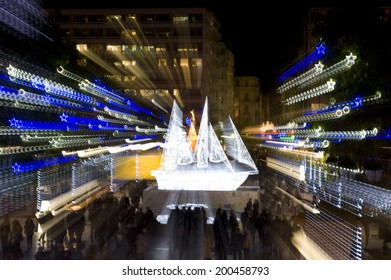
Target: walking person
(247,244)
(5,232)
(29,227)
(15,251)
(236,244)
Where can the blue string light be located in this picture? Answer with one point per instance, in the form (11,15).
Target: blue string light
(41,163)
(319,52)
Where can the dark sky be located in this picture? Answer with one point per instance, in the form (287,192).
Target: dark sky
(264,35)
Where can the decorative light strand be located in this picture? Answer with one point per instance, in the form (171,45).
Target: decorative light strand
(314,92)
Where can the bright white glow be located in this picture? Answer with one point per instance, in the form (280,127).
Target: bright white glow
(135,147)
(159,106)
(236,147)
(307,247)
(286,168)
(92,152)
(44,205)
(305,205)
(187,205)
(207,179)
(61,200)
(208,168)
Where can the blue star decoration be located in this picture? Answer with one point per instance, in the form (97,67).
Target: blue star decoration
(15,123)
(321,49)
(64,117)
(16,168)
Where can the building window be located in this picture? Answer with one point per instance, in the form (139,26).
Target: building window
(82,62)
(82,47)
(146,17)
(113,48)
(130,78)
(130,18)
(128,63)
(114,77)
(196,62)
(148,48)
(180,18)
(97,48)
(246,83)
(184,62)
(129,33)
(113,18)
(131,48)
(161,49)
(162,62)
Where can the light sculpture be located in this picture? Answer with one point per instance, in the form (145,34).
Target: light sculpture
(208,167)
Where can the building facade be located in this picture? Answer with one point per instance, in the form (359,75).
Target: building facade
(247,102)
(155,55)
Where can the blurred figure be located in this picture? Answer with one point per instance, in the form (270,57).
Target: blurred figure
(141,245)
(29,227)
(14,251)
(247,244)
(5,232)
(236,244)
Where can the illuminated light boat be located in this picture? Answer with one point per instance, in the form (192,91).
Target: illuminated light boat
(207,167)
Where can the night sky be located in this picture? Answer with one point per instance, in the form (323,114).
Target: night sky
(263,35)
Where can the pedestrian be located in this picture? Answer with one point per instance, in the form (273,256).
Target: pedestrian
(247,244)
(5,232)
(29,228)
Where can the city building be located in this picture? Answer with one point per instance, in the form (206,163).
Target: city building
(155,55)
(248,101)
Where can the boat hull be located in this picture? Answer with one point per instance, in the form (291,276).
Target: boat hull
(201,180)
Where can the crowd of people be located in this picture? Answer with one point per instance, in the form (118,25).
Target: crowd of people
(118,220)
(12,233)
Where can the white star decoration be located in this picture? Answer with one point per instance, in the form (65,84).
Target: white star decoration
(350,59)
(64,117)
(330,84)
(319,67)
